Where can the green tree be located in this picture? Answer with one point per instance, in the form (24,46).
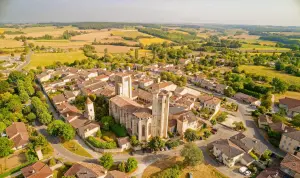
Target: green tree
(229,92)
(156,143)
(4,86)
(122,167)
(106,160)
(2,127)
(239,126)
(136,53)
(67,132)
(279,86)
(266,101)
(192,154)
(24,97)
(296,120)
(31,117)
(5,146)
(190,135)
(134,141)
(107,122)
(14,76)
(45,118)
(131,164)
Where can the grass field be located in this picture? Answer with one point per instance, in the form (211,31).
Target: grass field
(128,33)
(7,43)
(45,59)
(112,49)
(12,161)
(249,47)
(271,73)
(75,148)
(149,41)
(201,170)
(290,94)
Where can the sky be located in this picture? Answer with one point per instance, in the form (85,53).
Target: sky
(252,12)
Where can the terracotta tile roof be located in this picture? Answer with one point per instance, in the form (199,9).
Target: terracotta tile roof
(290,102)
(69,94)
(37,170)
(79,122)
(204,98)
(264,118)
(281,127)
(227,148)
(213,101)
(291,162)
(270,173)
(125,103)
(244,97)
(18,133)
(88,126)
(161,85)
(116,174)
(59,98)
(86,170)
(143,113)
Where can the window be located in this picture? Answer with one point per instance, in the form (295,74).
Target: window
(143,131)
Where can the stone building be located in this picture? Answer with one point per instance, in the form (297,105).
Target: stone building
(145,122)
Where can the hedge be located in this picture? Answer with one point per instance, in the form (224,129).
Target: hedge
(103,145)
(119,130)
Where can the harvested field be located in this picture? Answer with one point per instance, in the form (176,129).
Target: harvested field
(112,49)
(201,170)
(128,33)
(7,43)
(64,44)
(45,59)
(290,94)
(12,161)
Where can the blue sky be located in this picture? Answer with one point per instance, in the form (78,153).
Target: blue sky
(258,12)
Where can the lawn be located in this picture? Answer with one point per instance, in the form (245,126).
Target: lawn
(201,170)
(290,94)
(271,73)
(45,59)
(12,161)
(149,41)
(7,43)
(75,148)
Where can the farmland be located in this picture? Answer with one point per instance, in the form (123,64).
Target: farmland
(45,59)
(290,94)
(64,44)
(270,73)
(112,49)
(7,43)
(128,33)
(148,41)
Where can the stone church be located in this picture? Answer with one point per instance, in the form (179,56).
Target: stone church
(140,120)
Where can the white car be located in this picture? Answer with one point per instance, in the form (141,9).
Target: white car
(244,170)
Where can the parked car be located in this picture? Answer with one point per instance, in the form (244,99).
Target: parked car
(244,170)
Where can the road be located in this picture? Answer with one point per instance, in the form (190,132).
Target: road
(21,66)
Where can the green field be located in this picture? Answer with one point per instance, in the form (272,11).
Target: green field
(75,148)
(270,73)
(45,59)
(261,47)
(129,33)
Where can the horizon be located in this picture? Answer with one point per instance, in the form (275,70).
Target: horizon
(231,12)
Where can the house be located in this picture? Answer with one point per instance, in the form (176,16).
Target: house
(145,83)
(17,132)
(270,173)
(264,121)
(59,99)
(184,61)
(291,105)
(290,142)
(247,99)
(43,77)
(37,170)
(212,104)
(124,143)
(280,127)
(86,170)
(89,129)
(185,120)
(220,88)
(69,95)
(291,165)
(228,153)
(248,144)
(116,174)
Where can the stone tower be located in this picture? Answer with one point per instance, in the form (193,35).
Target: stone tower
(89,109)
(160,113)
(123,85)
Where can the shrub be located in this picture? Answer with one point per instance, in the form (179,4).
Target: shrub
(173,172)
(106,160)
(98,133)
(52,162)
(106,138)
(103,145)
(122,167)
(222,117)
(172,143)
(266,155)
(131,164)
(213,122)
(119,130)
(253,155)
